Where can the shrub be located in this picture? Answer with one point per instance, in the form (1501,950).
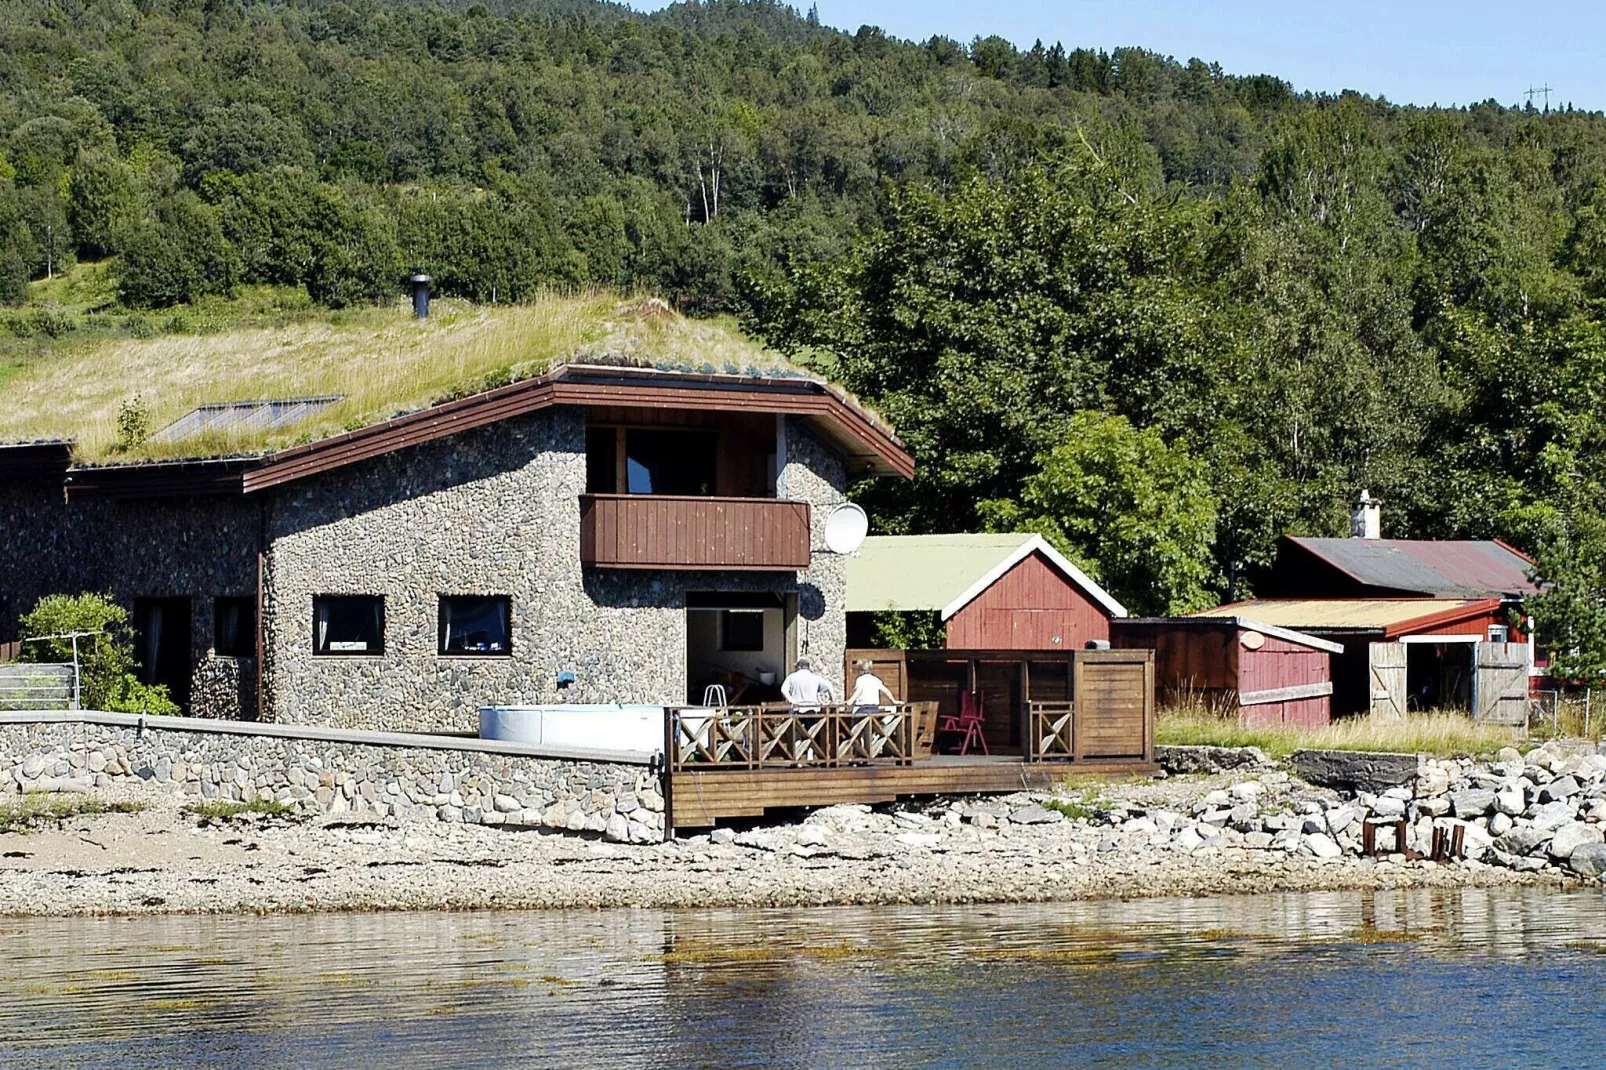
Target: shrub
(105,656)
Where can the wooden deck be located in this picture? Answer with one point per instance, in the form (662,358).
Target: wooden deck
(699,799)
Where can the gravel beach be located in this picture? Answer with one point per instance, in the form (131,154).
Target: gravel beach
(1084,845)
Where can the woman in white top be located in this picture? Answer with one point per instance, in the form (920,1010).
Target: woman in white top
(868,689)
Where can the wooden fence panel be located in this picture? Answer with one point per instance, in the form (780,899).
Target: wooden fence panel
(1114,697)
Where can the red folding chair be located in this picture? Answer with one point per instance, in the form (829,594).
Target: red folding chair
(967,726)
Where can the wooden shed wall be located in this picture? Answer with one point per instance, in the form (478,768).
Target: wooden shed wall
(1029,608)
(1474,625)
(1190,661)
(1208,662)
(1280,664)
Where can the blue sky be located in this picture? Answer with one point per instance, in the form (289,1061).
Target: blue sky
(1424,52)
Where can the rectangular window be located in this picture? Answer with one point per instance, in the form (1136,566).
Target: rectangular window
(741,629)
(234,627)
(1499,633)
(602,460)
(346,624)
(476,625)
(670,462)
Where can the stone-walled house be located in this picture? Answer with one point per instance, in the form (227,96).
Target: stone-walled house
(595,534)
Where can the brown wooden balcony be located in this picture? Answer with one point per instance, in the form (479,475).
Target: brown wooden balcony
(663,531)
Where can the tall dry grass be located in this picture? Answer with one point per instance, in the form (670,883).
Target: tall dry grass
(380,360)
(1439,734)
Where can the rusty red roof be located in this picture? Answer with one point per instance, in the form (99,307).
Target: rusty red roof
(1436,568)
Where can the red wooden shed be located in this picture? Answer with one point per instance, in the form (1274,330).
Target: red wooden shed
(992,591)
(1270,675)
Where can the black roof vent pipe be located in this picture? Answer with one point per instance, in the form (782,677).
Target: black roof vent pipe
(420,282)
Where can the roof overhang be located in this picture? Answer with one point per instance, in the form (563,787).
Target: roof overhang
(1039,545)
(868,446)
(34,460)
(1242,624)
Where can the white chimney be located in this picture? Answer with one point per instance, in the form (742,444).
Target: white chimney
(1366,519)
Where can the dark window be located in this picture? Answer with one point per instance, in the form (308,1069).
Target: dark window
(348,624)
(234,627)
(476,625)
(741,629)
(670,462)
(162,644)
(602,460)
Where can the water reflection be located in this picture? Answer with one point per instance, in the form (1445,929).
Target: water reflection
(1385,979)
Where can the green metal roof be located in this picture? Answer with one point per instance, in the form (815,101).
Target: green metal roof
(909,572)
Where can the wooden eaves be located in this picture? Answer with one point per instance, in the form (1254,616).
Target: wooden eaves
(869,447)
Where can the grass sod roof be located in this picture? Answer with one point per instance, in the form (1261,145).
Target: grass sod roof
(381,361)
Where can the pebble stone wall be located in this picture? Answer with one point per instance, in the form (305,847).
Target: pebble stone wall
(618,801)
(496,511)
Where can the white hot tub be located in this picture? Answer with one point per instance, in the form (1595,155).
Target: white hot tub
(590,726)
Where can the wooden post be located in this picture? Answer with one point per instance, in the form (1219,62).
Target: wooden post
(666,779)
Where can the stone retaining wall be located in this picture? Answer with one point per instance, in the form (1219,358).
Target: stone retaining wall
(620,801)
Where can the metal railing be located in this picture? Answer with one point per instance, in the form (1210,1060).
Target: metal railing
(773,737)
(36,686)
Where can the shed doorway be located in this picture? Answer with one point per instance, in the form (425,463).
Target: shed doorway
(741,642)
(1438,676)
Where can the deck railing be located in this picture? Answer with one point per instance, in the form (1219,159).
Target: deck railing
(1053,730)
(665,532)
(776,737)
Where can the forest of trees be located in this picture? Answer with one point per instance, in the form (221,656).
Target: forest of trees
(1158,311)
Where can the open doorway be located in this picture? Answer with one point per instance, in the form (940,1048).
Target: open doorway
(162,644)
(1438,676)
(737,641)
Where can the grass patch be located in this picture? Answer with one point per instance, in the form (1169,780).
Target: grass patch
(1439,734)
(223,810)
(271,342)
(40,807)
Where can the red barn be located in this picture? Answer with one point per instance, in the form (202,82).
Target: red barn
(1271,675)
(992,592)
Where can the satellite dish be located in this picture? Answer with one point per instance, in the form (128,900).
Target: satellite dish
(846,528)
(1252,640)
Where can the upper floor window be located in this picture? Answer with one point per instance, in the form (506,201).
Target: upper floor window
(639,460)
(1499,633)
(476,625)
(348,624)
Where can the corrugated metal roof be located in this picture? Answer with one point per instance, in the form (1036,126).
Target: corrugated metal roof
(1442,568)
(914,572)
(1318,614)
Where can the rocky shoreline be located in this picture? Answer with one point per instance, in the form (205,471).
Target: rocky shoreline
(1249,829)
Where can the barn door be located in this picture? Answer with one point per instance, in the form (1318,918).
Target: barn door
(1500,686)
(1386,662)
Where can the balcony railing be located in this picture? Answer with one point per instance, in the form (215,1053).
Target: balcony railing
(780,737)
(664,531)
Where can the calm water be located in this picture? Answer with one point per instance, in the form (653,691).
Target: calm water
(1494,979)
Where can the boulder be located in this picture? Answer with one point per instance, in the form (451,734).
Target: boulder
(1552,816)
(1521,840)
(1322,846)
(1035,815)
(1511,800)
(1569,838)
(1589,860)
(1434,807)
(1500,824)
(1472,802)
(1258,841)
(1558,790)
(1388,806)
(1354,771)
(1432,781)
(1340,818)
(1245,817)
